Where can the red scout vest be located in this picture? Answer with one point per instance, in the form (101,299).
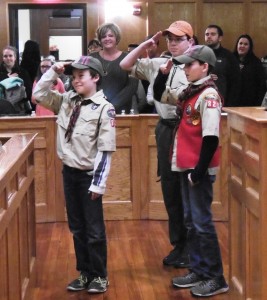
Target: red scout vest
(189,137)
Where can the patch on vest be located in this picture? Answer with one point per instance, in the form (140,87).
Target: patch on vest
(212,101)
(192,118)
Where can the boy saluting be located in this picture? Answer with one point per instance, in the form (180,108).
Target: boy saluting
(85,141)
(196,158)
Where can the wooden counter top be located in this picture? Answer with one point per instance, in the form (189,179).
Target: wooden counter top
(257,114)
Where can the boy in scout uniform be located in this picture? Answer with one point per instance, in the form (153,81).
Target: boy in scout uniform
(85,141)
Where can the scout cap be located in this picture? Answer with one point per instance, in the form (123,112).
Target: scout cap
(198,52)
(86,62)
(179,28)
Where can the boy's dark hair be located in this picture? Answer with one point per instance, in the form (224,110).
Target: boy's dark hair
(210,69)
(94,73)
(220,31)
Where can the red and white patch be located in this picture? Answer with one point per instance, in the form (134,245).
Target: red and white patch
(212,103)
(112,122)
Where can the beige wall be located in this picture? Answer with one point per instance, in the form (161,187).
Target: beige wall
(234,16)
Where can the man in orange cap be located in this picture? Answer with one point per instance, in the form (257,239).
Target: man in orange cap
(179,37)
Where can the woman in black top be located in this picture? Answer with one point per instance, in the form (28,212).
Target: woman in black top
(117,85)
(10,68)
(253,85)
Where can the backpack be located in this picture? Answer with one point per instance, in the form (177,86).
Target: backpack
(12,89)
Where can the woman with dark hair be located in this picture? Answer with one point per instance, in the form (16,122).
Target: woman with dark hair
(58,85)
(10,68)
(253,86)
(118,87)
(31,58)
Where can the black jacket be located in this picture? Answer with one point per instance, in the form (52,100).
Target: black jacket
(229,77)
(253,84)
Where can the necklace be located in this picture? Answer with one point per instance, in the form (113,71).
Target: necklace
(105,64)
(107,61)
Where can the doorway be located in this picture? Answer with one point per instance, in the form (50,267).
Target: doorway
(60,29)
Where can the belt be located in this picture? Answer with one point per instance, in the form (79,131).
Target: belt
(169,122)
(75,170)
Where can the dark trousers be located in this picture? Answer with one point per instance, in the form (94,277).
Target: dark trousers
(170,185)
(86,223)
(204,250)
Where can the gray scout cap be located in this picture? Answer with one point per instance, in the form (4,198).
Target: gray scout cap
(198,52)
(86,62)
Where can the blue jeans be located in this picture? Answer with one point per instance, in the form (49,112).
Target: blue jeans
(204,250)
(86,223)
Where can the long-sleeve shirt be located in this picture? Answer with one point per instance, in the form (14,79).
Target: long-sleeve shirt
(94,136)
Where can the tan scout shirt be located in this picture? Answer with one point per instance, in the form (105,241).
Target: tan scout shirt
(88,139)
(147,69)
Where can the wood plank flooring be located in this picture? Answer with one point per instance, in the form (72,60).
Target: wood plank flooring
(135,252)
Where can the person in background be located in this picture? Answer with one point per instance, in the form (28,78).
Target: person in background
(31,58)
(178,38)
(131,47)
(10,68)
(118,87)
(58,85)
(226,73)
(151,52)
(86,139)
(195,40)
(199,108)
(253,85)
(139,98)
(94,46)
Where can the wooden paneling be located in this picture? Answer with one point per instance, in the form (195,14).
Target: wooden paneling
(133,188)
(164,13)
(17,218)
(232,24)
(45,158)
(234,16)
(247,131)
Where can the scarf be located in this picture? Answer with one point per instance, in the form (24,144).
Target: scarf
(192,90)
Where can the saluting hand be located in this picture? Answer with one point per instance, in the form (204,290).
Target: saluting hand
(165,68)
(59,67)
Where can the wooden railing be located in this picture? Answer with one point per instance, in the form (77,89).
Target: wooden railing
(17,217)
(133,188)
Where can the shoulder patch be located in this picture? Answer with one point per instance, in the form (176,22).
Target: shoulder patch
(212,100)
(111,113)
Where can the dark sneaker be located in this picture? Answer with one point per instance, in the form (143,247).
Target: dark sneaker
(182,262)
(189,280)
(79,284)
(98,285)
(172,257)
(210,287)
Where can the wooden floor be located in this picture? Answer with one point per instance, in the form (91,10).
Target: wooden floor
(135,252)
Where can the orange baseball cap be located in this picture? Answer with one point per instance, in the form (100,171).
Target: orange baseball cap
(179,28)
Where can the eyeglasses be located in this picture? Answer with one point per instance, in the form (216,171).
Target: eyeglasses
(176,40)
(45,67)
